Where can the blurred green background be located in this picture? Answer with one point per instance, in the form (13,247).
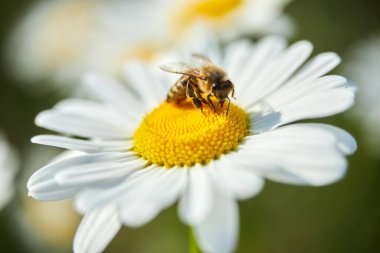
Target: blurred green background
(343,217)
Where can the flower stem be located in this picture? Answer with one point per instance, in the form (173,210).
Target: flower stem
(193,247)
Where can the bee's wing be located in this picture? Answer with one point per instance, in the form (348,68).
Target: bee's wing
(182,68)
(202,59)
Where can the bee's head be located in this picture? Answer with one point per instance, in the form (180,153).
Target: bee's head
(222,89)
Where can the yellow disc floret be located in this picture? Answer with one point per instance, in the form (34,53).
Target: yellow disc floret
(216,8)
(181,135)
(216,13)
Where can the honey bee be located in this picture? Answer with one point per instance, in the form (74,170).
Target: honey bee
(200,84)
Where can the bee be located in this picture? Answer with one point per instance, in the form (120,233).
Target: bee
(200,84)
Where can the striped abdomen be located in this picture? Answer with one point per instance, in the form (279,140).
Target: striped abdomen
(177,92)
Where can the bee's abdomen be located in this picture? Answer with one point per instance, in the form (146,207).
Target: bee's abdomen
(177,92)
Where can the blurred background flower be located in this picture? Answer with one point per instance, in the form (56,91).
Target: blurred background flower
(228,18)
(363,67)
(8,169)
(344,217)
(53,39)
(59,40)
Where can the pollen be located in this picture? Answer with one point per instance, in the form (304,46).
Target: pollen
(181,135)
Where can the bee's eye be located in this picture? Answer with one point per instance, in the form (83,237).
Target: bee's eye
(213,85)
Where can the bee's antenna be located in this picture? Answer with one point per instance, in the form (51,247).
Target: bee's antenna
(233,93)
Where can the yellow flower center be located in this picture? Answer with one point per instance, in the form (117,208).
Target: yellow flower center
(215,12)
(214,8)
(181,135)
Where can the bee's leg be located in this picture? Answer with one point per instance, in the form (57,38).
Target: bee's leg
(199,96)
(189,90)
(228,108)
(191,94)
(210,102)
(198,104)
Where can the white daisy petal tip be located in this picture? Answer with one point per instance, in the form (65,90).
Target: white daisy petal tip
(304,46)
(197,200)
(136,218)
(301,154)
(333,58)
(220,230)
(344,140)
(349,147)
(240,183)
(40,119)
(160,190)
(31,182)
(353,86)
(97,229)
(35,139)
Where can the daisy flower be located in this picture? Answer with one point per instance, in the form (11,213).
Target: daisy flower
(363,68)
(60,40)
(57,39)
(8,169)
(177,22)
(227,18)
(141,154)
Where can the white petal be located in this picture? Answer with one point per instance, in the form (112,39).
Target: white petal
(91,110)
(276,72)
(144,201)
(317,67)
(345,142)
(318,104)
(321,97)
(43,186)
(85,175)
(237,181)
(218,233)
(208,45)
(250,65)
(113,191)
(146,83)
(48,172)
(197,199)
(76,125)
(88,146)
(237,54)
(114,93)
(84,119)
(51,191)
(262,117)
(294,90)
(96,230)
(293,95)
(306,154)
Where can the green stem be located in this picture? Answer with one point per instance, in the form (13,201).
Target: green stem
(193,246)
